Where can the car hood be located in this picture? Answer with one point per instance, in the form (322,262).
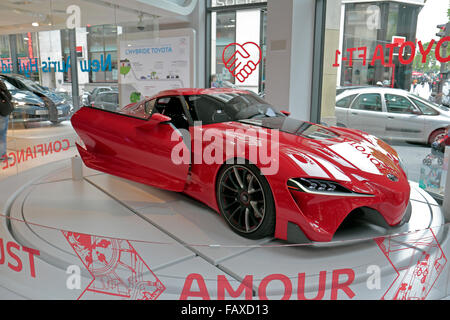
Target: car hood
(328,153)
(56,98)
(26,96)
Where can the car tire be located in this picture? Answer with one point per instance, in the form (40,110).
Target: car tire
(435,135)
(245,201)
(427,162)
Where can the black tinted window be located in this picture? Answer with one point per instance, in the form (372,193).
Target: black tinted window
(345,102)
(224,107)
(426,110)
(399,104)
(368,102)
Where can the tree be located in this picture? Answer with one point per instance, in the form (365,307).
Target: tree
(431,65)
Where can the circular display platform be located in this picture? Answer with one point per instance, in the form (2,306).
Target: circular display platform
(115,229)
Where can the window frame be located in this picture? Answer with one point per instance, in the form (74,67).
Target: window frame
(184,105)
(416,101)
(362,94)
(352,97)
(405,97)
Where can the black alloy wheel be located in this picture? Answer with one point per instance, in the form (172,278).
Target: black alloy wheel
(246,202)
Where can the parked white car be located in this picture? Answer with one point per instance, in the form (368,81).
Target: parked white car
(392,114)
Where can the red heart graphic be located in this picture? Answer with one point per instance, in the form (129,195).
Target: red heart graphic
(243,60)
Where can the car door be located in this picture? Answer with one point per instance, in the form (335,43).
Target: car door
(135,148)
(366,114)
(405,120)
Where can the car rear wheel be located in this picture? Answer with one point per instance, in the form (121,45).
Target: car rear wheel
(436,136)
(245,201)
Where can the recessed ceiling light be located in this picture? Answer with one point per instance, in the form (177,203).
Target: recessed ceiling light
(35,24)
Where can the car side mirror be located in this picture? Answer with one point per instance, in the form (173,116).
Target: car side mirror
(286,113)
(160,118)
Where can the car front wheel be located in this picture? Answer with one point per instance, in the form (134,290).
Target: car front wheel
(245,201)
(436,136)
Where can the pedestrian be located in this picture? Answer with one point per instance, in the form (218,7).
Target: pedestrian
(214,82)
(6,107)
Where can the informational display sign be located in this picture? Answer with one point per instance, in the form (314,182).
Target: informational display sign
(148,66)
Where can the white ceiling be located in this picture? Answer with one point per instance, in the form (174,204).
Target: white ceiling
(16,16)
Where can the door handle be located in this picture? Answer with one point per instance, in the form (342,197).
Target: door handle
(391,117)
(355,113)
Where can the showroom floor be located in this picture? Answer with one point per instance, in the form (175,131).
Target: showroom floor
(20,138)
(176,236)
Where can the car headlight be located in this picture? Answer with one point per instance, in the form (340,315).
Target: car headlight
(322,187)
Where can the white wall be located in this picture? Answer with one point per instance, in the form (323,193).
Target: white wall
(248,29)
(290,38)
(50,47)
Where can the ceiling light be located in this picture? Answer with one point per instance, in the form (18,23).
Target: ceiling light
(35,24)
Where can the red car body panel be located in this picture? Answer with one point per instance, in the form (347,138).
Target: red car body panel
(119,145)
(139,149)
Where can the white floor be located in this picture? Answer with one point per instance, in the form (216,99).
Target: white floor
(176,237)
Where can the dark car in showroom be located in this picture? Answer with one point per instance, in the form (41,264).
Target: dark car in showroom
(108,100)
(90,96)
(33,102)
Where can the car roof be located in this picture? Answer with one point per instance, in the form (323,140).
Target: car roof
(380,90)
(196,91)
(108,92)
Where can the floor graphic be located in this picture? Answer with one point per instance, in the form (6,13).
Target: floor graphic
(117,269)
(421,263)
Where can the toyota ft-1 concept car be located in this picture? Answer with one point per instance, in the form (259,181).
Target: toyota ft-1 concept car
(266,173)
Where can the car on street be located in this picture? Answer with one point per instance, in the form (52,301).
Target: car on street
(392,114)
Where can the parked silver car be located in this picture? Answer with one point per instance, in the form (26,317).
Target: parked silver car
(392,114)
(108,100)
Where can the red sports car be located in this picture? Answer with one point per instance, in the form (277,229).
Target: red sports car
(213,145)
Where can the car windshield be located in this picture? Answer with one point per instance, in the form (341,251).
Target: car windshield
(441,107)
(224,107)
(9,86)
(32,85)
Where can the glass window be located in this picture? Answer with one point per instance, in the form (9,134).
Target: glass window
(238,26)
(173,108)
(102,41)
(374,23)
(368,102)
(149,105)
(216,108)
(4,47)
(399,104)
(8,85)
(426,109)
(224,33)
(110,97)
(345,102)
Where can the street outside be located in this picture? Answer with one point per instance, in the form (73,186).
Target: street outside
(412,155)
